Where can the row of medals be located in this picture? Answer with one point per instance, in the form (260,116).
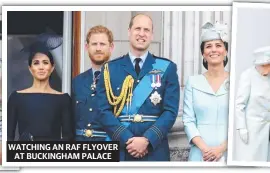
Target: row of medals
(155,83)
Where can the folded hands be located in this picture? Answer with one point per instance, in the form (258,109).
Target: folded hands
(137,146)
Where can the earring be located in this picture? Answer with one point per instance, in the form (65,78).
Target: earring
(204,60)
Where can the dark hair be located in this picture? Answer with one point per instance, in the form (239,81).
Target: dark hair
(32,55)
(225,61)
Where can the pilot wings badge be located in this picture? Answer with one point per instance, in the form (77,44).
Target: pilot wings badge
(155,98)
(155,71)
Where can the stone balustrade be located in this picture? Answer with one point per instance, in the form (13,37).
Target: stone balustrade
(178,143)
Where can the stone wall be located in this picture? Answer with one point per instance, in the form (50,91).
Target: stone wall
(178,143)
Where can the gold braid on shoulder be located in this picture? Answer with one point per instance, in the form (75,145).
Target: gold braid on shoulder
(126,92)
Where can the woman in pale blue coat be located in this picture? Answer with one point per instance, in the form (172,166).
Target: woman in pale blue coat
(206,99)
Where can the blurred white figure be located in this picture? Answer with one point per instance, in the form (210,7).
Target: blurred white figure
(252,110)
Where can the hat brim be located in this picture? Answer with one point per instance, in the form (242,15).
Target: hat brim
(261,62)
(44,41)
(51,41)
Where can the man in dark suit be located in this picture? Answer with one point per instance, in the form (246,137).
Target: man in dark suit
(138,97)
(99,45)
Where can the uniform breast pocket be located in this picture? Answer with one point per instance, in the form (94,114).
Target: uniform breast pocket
(80,105)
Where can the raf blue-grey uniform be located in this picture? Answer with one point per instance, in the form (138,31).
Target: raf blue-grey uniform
(157,120)
(85,107)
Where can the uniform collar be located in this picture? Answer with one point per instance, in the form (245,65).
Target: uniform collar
(129,66)
(94,70)
(133,57)
(88,79)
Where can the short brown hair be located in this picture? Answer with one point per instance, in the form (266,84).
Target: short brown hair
(99,29)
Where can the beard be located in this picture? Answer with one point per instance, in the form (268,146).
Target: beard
(99,61)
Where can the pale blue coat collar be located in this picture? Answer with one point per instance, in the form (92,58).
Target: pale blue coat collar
(200,83)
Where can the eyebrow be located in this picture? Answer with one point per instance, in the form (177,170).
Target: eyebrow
(104,42)
(36,60)
(211,43)
(142,27)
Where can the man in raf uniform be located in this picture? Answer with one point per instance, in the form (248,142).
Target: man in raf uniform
(99,45)
(138,97)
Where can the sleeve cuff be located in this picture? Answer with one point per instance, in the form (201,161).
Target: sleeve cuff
(191,131)
(122,134)
(154,135)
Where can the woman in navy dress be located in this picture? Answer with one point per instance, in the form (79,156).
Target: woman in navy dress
(41,113)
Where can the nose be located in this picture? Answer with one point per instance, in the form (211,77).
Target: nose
(214,48)
(98,48)
(41,66)
(141,32)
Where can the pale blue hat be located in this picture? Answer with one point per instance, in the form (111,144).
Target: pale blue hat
(215,31)
(262,56)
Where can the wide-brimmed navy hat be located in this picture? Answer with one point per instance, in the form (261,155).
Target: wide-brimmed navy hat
(44,42)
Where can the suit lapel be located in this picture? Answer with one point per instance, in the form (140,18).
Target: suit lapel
(88,80)
(202,84)
(128,66)
(224,88)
